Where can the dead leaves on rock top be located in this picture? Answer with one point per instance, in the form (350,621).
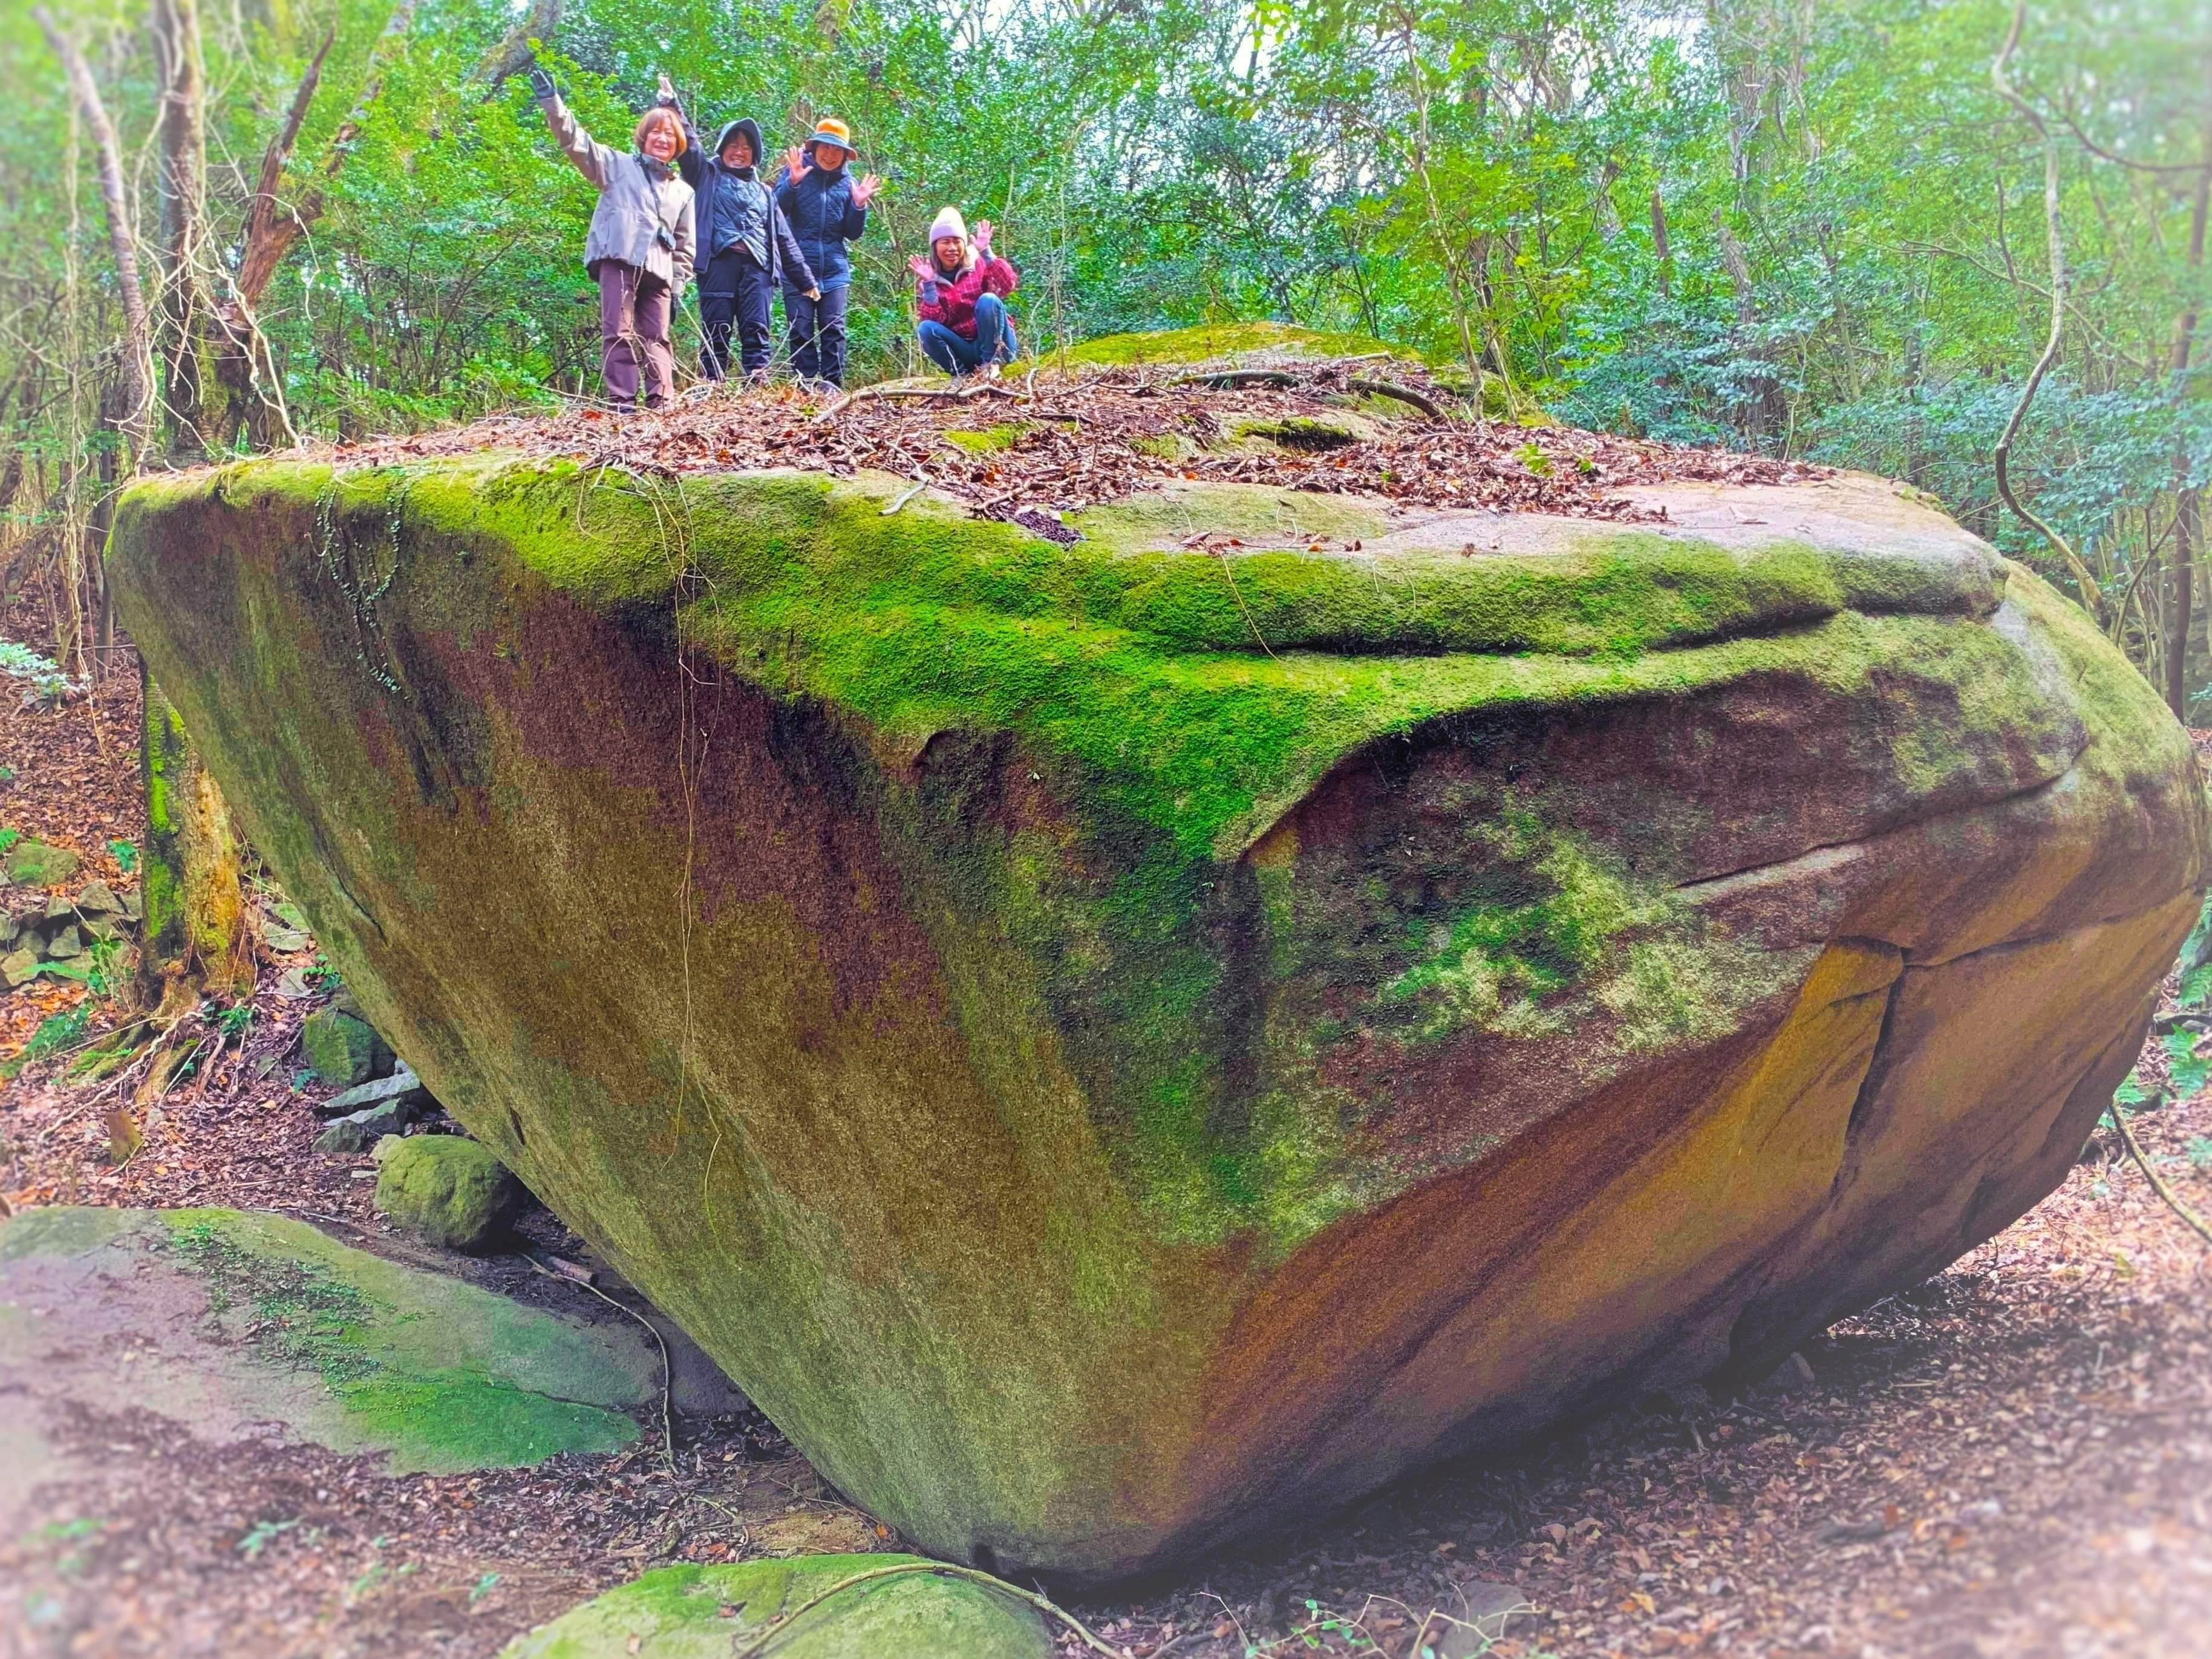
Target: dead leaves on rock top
(1062,442)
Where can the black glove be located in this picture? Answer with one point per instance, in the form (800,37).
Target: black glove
(540,86)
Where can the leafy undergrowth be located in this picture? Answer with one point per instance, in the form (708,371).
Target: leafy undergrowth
(2013,1458)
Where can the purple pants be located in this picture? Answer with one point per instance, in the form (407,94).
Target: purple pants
(634,307)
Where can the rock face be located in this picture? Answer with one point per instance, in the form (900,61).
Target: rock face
(1117,1046)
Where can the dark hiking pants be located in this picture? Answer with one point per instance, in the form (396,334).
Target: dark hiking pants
(733,295)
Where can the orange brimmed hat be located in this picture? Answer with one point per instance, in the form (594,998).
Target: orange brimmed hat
(832,131)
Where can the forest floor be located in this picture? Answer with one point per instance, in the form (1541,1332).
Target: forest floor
(2013,1458)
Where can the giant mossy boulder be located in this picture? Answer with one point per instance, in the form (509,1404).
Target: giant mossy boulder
(1117,1046)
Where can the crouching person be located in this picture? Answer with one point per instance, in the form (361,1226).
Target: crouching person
(961,294)
(639,249)
(747,246)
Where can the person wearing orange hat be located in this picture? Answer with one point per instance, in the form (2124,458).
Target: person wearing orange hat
(827,209)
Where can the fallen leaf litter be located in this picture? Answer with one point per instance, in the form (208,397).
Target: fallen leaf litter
(1068,441)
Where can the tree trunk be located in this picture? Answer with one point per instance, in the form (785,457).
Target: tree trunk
(194,930)
(137,423)
(204,413)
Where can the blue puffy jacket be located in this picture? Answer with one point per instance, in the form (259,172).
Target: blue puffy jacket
(823,218)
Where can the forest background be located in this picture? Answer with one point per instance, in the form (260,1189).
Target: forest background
(1824,230)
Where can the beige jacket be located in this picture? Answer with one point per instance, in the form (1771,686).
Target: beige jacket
(636,197)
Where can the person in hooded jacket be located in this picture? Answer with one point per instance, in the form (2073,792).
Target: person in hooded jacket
(960,294)
(827,209)
(640,244)
(746,247)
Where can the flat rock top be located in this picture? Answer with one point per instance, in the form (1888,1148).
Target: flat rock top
(1060,439)
(241,1325)
(1833,512)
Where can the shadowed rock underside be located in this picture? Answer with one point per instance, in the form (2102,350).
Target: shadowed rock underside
(1119,1046)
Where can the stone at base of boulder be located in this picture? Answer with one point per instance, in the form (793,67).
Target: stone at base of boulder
(18,967)
(448,1191)
(1793,1375)
(357,1132)
(704,1613)
(343,1049)
(401,1084)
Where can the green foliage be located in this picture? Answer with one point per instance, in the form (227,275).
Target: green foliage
(44,684)
(2199,1151)
(260,1535)
(56,1033)
(126,856)
(2187,1071)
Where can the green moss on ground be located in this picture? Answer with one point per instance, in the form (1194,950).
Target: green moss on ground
(1211,341)
(1004,436)
(704,1613)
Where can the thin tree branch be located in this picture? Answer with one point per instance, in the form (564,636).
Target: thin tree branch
(2158,1182)
(2091,596)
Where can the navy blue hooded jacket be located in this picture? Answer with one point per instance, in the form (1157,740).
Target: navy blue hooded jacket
(823,218)
(703,170)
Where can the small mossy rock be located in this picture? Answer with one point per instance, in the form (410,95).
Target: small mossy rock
(448,1191)
(34,863)
(678,1612)
(1129,1044)
(236,1322)
(64,945)
(10,928)
(343,1049)
(19,967)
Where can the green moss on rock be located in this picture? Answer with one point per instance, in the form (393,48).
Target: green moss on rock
(448,1191)
(1221,342)
(702,1612)
(342,1049)
(345,1349)
(31,862)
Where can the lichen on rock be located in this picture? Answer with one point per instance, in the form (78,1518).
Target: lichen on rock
(1113,1043)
